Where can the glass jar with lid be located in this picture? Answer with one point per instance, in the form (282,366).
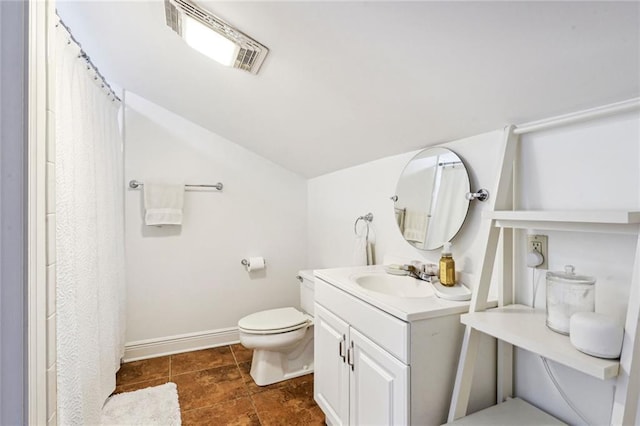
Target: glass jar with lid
(568,293)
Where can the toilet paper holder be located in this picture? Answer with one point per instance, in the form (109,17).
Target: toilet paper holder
(246,263)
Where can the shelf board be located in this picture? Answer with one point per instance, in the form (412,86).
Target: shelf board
(525,327)
(616,221)
(511,412)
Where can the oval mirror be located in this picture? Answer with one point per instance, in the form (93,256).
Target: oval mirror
(430,204)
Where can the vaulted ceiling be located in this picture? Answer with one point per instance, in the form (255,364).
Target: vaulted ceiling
(349,82)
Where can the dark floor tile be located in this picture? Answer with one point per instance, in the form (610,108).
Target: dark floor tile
(239,412)
(307,378)
(201,360)
(143,371)
(241,353)
(141,385)
(289,405)
(209,387)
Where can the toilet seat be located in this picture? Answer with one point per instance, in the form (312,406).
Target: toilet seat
(273,321)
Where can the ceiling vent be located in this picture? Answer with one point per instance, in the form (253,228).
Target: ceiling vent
(246,53)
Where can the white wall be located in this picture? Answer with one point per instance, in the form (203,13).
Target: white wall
(338,198)
(188,279)
(593,165)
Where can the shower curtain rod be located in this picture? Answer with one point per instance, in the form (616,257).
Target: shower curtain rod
(87,59)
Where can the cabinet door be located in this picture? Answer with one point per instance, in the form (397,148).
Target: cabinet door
(331,376)
(379,390)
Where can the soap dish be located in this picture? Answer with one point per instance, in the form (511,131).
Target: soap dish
(458,292)
(395,270)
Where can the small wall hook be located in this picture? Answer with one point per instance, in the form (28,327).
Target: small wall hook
(481,195)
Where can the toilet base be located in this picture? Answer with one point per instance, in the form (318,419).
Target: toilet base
(269,367)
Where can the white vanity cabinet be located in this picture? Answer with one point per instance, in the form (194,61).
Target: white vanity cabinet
(373,368)
(357,382)
(331,373)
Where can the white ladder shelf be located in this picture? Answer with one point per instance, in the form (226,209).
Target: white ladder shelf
(521,326)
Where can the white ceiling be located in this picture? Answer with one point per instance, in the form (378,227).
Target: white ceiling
(350,82)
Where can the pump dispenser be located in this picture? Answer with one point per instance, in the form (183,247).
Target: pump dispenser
(447,267)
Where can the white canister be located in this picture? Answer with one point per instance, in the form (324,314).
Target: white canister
(568,293)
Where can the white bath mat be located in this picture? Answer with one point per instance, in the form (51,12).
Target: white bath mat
(157,405)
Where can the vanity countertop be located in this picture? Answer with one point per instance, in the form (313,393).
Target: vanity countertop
(406,309)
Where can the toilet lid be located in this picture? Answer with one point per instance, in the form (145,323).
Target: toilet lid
(273,319)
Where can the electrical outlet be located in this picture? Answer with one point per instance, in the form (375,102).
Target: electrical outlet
(539,244)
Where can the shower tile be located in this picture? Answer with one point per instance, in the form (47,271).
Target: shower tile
(241,353)
(236,412)
(201,360)
(53,420)
(52,391)
(51,239)
(51,136)
(290,405)
(142,371)
(50,194)
(209,387)
(51,289)
(51,341)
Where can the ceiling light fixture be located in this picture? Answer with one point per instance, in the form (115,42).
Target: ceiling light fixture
(213,37)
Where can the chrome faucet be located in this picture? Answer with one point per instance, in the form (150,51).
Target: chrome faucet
(408,267)
(416,272)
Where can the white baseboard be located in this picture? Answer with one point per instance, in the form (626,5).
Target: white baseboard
(151,348)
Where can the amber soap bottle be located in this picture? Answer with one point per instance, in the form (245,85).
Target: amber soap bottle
(447,267)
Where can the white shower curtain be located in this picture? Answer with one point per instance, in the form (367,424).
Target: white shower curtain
(449,206)
(89,237)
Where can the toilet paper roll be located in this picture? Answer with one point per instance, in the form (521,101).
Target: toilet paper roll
(255,264)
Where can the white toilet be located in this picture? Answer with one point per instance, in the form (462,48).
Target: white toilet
(281,339)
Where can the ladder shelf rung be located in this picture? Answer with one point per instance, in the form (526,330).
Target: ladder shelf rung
(525,327)
(514,411)
(610,221)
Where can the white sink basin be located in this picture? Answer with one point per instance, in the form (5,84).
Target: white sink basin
(394,285)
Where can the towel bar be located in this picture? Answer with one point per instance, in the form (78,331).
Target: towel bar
(134,184)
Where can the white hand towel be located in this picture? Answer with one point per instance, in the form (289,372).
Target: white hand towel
(163,204)
(360,251)
(415,225)
(363,249)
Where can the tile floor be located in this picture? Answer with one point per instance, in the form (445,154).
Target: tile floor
(215,388)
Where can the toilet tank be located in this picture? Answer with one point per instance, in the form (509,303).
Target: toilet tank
(306,291)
